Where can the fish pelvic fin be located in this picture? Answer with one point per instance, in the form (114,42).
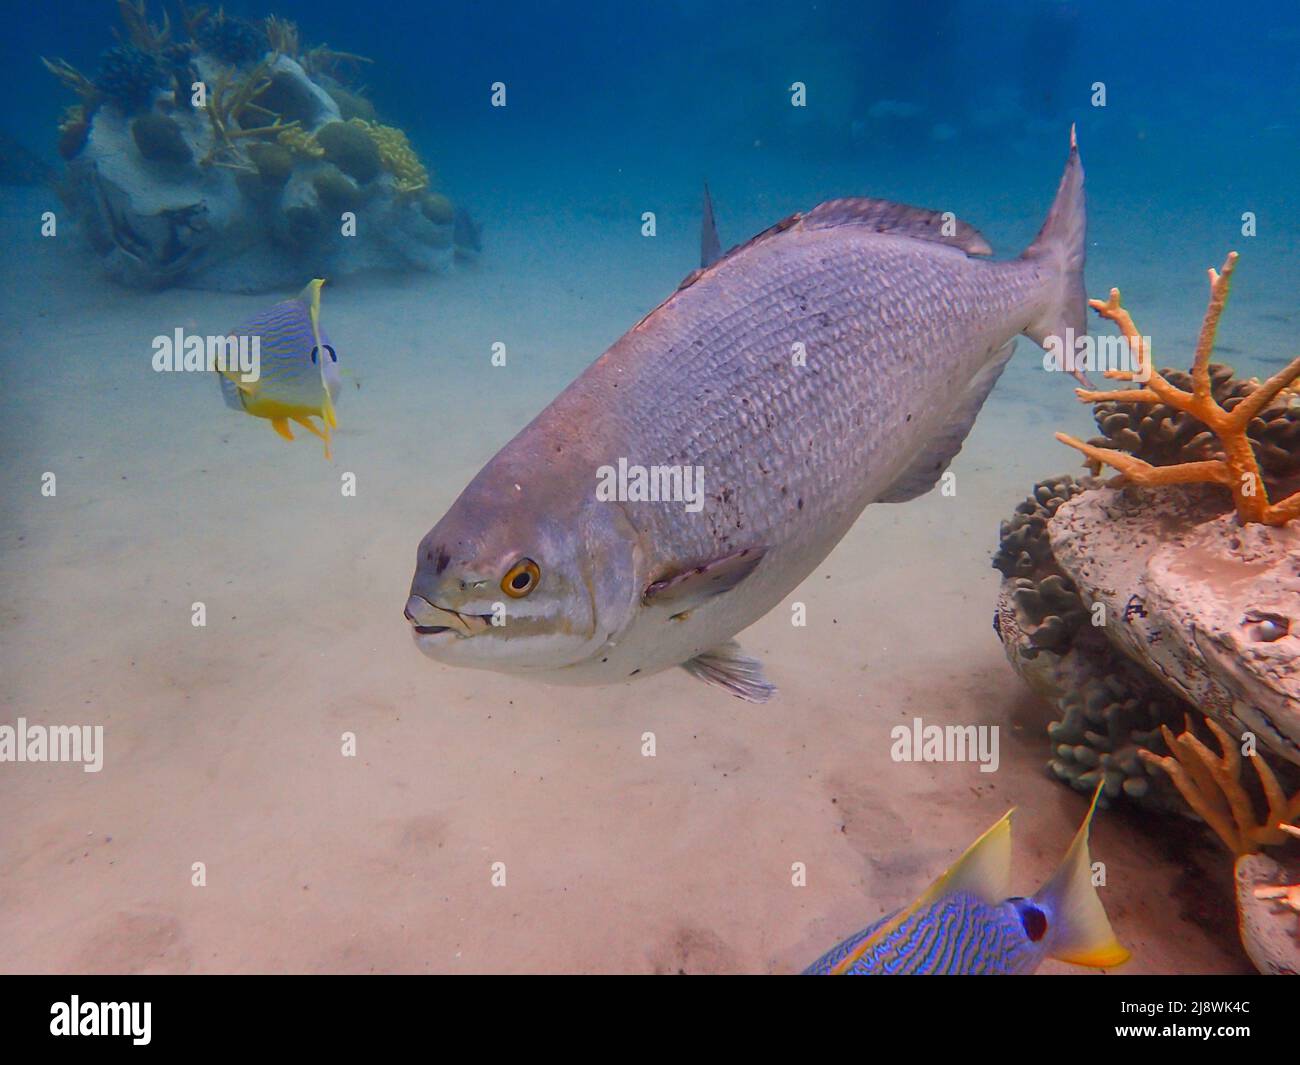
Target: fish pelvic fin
(983,870)
(1081,930)
(1061,245)
(727,667)
(327,410)
(281,426)
(306,422)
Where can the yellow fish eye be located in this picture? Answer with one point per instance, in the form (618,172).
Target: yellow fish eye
(521,578)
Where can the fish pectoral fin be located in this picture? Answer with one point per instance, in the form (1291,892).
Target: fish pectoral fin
(690,587)
(924,471)
(281,426)
(733,671)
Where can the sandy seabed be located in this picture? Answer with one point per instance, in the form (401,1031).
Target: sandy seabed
(223,742)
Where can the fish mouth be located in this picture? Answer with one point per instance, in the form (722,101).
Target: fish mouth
(429,619)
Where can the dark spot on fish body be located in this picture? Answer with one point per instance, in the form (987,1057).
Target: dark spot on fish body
(443,560)
(801,502)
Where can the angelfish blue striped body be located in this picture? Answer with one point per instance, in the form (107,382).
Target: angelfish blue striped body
(960,934)
(965,923)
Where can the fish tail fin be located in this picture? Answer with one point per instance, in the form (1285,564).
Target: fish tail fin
(1062,245)
(1081,931)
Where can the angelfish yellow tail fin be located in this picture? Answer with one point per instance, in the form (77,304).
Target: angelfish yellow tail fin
(1080,929)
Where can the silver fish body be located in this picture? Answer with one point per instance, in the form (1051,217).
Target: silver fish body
(821,367)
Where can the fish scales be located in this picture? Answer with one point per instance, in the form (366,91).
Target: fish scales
(959,934)
(882,320)
(837,359)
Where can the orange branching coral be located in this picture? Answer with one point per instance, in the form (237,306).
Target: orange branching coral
(1239,469)
(1212,786)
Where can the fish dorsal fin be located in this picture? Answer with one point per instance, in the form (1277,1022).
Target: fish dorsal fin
(885,216)
(984,871)
(710,247)
(311,296)
(1081,930)
(882,216)
(924,471)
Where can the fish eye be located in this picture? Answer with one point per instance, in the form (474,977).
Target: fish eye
(521,578)
(1033,921)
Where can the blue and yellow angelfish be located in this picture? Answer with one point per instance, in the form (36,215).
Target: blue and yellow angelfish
(965,924)
(299,373)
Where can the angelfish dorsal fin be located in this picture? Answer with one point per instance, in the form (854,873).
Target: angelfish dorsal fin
(710,246)
(311,296)
(984,870)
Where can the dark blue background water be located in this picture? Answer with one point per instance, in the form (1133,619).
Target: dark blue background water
(616,108)
(683,75)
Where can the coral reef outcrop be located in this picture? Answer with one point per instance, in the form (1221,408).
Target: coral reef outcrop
(219,152)
(1166,603)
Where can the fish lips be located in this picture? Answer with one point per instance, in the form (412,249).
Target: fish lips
(431,622)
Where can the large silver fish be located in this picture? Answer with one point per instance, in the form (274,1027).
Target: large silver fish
(837,359)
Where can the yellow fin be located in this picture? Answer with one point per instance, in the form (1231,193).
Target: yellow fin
(983,870)
(327,409)
(281,426)
(306,422)
(1083,935)
(310,295)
